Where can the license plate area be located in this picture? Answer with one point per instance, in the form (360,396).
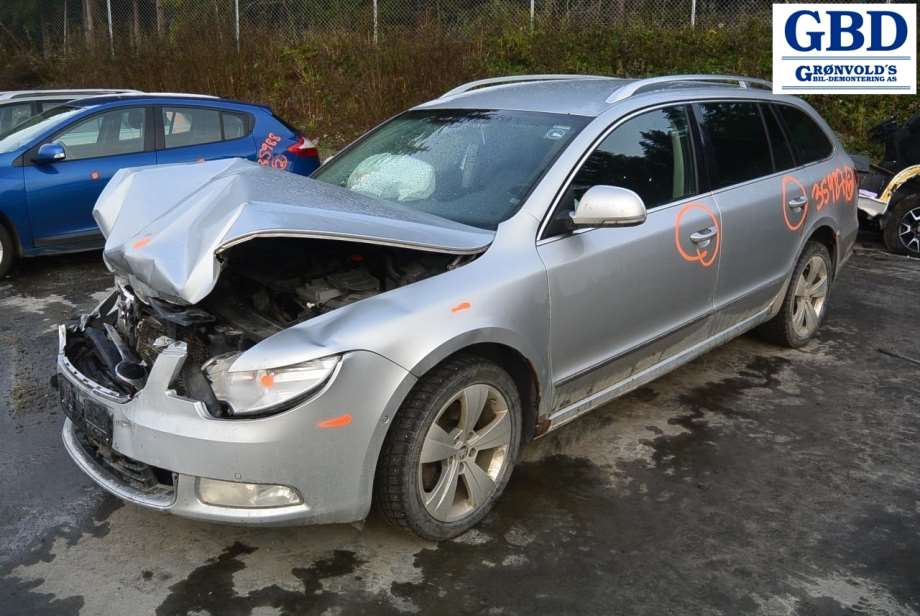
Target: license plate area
(93,418)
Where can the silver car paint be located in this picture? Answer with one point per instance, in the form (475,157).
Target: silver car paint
(622,301)
(165,226)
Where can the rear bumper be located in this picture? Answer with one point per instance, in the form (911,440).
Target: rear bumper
(332,469)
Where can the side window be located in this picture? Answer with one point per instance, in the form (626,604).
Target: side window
(45,105)
(235,125)
(183,126)
(14,115)
(782,155)
(108,134)
(650,154)
(809,142)
(739,143)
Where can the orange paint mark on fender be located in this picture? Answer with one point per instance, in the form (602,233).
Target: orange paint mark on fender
(788,179)
(94,175)
(142,242)
(335,422)
(461,307)
(703,256)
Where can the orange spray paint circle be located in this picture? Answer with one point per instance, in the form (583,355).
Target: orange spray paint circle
(788,179)
(703,256)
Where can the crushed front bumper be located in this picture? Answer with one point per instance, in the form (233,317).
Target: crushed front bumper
(178,441)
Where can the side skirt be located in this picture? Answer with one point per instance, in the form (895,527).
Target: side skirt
(577,409)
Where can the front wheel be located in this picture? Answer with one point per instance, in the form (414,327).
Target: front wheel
(806,298)
(902,230)
(451,449)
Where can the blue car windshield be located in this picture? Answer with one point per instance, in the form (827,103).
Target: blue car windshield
(24,133)
(470,166)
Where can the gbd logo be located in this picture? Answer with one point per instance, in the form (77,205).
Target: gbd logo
(845,48)
(809,30)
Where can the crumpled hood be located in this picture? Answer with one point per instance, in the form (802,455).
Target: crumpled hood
(165,225)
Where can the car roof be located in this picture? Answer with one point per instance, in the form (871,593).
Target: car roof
(162,97)
(585,95)
(59,93)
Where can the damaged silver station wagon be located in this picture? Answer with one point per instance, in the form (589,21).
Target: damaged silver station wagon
(468,276)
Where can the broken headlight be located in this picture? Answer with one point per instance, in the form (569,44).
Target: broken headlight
(257,392)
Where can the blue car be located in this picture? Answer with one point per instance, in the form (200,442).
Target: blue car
(53,167)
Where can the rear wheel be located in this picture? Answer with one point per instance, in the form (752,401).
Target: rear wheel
(806,298)
(902,230)
(7,251)
(451,449)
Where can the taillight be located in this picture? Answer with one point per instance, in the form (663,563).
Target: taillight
(303,147)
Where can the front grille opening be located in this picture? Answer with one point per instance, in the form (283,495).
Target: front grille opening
(142,477)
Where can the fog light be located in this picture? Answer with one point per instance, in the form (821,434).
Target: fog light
(246,495)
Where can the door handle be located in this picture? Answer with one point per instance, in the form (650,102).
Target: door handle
(703,235)
(795,204)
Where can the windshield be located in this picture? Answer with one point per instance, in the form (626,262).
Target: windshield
(473,167)
(18,136)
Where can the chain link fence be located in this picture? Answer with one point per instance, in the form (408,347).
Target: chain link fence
(123,24)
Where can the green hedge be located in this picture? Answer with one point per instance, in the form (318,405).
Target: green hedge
(335,85)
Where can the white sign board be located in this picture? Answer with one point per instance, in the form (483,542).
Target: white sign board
(845,48)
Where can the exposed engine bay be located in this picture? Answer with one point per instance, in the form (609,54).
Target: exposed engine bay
(266,285)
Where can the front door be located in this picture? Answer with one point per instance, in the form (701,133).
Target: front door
(61,195)
(623,299)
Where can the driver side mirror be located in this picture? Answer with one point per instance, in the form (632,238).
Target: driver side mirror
(50,153)
(609,206)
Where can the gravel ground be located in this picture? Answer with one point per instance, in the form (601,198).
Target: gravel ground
(755,480)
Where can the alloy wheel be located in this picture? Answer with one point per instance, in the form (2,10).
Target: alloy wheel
(909,230)
(810,297)
(464,453)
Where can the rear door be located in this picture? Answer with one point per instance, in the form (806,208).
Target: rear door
(61,195)
(192,134)
(623,299)
(763,200)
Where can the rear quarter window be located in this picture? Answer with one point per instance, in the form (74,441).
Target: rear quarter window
(809,142)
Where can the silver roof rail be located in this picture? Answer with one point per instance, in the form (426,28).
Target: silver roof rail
(633,88)
(496,81)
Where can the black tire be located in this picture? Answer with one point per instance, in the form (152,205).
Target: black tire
(8,251)
(396,484)
(899,213)
(780,329)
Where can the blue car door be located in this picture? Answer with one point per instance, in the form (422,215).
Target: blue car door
(191,134)
(61,195)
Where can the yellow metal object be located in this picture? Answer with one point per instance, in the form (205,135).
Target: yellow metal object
(898,180)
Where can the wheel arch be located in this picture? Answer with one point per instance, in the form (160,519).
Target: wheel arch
(528,374)
(823,234)
(11,228)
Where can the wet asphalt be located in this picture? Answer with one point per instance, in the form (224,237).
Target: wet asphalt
(755,480)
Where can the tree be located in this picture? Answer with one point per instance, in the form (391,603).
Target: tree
(161,17)
(88,21)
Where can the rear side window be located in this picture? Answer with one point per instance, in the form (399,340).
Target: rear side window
(809,142)
(45,105)
(235,125)
(739,142)
(14,115)
(184,126)
(782,155)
